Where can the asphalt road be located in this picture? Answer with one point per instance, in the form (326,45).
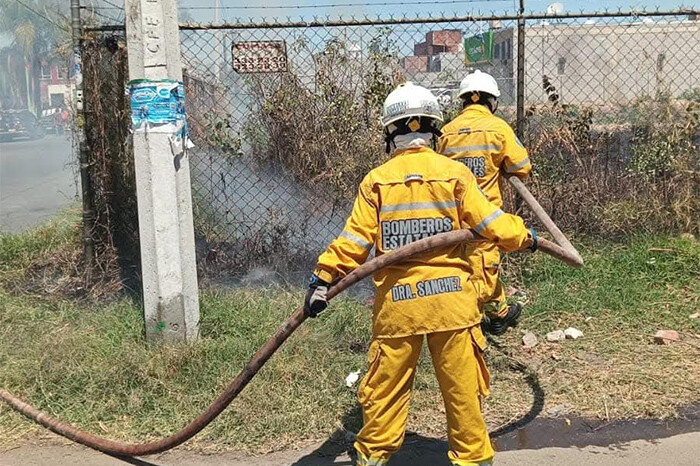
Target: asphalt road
(36,181)
(681,450)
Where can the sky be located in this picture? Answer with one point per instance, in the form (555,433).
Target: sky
(203,10)
(374,7)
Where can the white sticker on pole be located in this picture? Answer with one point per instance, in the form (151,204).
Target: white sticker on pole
(259,56)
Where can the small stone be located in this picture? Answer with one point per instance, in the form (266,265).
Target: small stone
(556,357)
(695,316)
(688,236)
(352,378)
(559,410)
(529,340)
(556,335)
(666,337)
(511,291)
(593,358)
(573,333)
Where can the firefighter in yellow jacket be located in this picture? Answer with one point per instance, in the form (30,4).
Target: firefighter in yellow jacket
(486,145)
(416,194)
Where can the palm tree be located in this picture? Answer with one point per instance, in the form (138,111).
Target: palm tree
(38,29)
(13,86)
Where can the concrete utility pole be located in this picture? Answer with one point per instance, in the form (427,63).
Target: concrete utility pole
(168,264)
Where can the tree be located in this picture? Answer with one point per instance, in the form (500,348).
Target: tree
(40,32)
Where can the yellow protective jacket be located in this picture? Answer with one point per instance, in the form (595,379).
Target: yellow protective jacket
(416,194)
(486,144)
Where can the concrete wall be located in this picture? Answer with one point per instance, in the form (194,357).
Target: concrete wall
(587,63)
(598,63)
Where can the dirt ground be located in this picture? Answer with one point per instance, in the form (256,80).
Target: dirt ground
(678,450)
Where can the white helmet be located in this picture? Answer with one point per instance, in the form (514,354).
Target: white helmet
(479,82)
(410,100)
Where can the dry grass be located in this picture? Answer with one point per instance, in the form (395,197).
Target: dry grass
(48,261)
(327,136)
(619,170)
(89,365)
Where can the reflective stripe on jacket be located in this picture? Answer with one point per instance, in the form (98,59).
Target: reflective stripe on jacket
(416,194)
(485,144)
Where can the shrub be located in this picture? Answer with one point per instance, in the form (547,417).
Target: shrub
(617,169)
(326,132)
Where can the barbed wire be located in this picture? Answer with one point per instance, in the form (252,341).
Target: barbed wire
(406,18)
(43,16)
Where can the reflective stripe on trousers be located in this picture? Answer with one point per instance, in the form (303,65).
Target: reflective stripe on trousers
(467,463)
(362,461)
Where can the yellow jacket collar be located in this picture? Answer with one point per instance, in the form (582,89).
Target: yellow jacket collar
(477,109)
(409,150)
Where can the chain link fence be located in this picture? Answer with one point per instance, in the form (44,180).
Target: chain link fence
(279,155)
(110,159)
(612,120)
(285,120)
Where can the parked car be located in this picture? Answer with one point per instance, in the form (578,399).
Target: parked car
(50,119)
(54,120)
(20,124)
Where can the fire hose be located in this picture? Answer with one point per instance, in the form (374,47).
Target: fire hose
(542,216)
(261,356)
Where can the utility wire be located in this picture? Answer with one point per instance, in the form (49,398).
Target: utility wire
(112,19)
(114,5)
(93,9)
(41,15)
(332,5)
(118,8)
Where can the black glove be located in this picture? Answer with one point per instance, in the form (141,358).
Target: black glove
(533,246)
(316,301)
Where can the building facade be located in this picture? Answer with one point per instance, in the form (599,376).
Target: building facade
(591,63)
(596,63)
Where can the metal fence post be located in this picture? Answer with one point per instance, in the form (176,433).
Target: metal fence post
(520,90)
(83,154)
(88,210)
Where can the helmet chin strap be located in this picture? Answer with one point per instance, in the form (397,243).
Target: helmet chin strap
(410,140)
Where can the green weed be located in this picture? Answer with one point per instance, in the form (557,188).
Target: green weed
(88,364)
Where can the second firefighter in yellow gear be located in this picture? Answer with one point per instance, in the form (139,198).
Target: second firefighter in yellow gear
(416,194)
(487,145)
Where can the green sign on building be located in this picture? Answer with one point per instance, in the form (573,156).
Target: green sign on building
(478,48)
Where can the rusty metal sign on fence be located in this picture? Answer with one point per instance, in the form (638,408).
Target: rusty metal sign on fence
(260,56)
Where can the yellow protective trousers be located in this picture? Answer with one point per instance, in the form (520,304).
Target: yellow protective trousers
(485,261)
(385,392)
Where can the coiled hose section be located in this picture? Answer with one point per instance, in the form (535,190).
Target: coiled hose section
(260,357)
